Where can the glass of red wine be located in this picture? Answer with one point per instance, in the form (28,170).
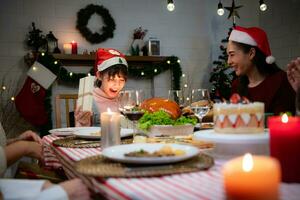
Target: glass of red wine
(129,105)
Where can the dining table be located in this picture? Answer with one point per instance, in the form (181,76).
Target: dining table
(203,184)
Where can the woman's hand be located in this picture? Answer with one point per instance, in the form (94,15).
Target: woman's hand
(82,118)
(293,73)
(30,136)
(76,189)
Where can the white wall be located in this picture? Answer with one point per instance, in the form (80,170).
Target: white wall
(282,24)
(192,32)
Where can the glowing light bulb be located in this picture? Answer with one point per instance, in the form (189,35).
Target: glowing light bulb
(12,98)
(220,11)
(142,73)
(178,61)
(3,88)
(170,5)
(43,54)
(55,62)
(71,74)
(169,62)
(34,68)
(155,70)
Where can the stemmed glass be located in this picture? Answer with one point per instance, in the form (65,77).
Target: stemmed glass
(129,105)
(200,103)
(177,96)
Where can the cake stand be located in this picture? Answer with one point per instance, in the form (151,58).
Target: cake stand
(229,145)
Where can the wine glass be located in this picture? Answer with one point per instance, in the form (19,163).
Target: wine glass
(177,96)
(200,103)
(129,105)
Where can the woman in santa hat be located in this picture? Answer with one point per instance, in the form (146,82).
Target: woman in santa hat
(111,72)
(259,78)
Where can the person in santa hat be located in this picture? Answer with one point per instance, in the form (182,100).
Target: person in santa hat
(111,72)
(259,78)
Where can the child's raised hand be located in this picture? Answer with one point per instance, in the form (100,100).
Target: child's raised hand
(82,118)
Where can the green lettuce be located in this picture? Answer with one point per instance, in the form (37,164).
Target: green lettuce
(162,118)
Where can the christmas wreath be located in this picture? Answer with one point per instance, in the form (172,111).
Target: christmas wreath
(83,17)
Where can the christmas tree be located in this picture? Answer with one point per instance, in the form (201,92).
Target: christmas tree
(221,75)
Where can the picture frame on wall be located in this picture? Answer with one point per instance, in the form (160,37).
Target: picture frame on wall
(153,47)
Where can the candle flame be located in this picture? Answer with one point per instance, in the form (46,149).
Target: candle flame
(109,110)
(284,118)
(73,41)
(247,162)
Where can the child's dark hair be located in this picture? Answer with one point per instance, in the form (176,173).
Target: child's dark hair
(118,69)
(259,61)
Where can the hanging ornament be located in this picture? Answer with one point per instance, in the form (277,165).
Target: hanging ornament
(233,11)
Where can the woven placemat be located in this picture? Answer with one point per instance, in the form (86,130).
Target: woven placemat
(102,167)
(74,142)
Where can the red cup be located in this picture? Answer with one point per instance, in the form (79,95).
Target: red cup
(285,145)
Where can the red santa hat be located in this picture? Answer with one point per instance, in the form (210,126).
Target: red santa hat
(253,36)
(108,57)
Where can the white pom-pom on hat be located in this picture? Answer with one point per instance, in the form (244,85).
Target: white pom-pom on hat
(270,59)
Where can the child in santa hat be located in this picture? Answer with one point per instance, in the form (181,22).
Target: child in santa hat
(259,78)
(111,72)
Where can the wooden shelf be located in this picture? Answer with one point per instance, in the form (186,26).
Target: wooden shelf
(88,60)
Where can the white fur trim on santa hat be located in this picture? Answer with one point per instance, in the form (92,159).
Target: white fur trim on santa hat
(112,61)
(41,75)
(270,59)
(242,37)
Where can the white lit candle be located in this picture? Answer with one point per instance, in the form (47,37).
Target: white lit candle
(252,177)
(110,129)
(67,48)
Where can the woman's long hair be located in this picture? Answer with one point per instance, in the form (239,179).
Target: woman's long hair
(118,69)
(259,61)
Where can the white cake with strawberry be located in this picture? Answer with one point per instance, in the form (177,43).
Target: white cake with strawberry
(238,116)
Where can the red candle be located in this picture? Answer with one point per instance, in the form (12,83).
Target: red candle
(74,47)
(285,145)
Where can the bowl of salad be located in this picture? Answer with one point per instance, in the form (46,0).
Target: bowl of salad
(163,117)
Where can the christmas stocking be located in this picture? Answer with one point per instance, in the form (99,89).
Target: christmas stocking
(30,101)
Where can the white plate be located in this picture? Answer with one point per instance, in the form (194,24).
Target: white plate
(116,153)
(91,132)
(67,131)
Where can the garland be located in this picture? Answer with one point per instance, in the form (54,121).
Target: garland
(69,78)
(83,17)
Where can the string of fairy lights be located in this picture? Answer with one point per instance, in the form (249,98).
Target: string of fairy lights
(54,65)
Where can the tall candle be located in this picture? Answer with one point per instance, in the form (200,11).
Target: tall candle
(74,47)
(252,177)
(110,129)
(285,145)
(67,48)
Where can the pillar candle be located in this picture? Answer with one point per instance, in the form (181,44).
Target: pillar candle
(285,145)
(67,48)
(110,129)
(252,177)
(74,47)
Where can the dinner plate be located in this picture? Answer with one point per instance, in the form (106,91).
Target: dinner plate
(95,132)
(117,153)
(68,131)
